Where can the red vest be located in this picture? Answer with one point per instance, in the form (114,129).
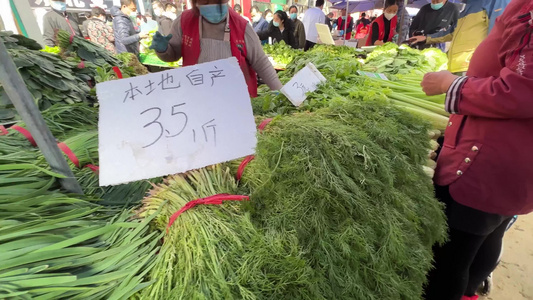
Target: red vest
(190,44)
(381,25)
(348,33)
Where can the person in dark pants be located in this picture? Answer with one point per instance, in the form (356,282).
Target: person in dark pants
(439,15)
(484,169)
(126,36)
(313,16)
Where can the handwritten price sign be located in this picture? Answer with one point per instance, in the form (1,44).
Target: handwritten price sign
(174,121)
(304,81)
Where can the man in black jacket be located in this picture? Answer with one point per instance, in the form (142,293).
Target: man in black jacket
(436,16)
(126,36)
(57,19)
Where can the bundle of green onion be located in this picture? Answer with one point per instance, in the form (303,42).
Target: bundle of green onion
(55,246)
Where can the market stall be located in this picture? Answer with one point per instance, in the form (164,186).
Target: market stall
(336,201)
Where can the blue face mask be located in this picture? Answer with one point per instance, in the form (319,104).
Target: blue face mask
(437,6)
(276,24)
(213,13)
(294,16)
(59,6)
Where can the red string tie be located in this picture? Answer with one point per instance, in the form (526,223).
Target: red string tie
(71,37)
(216,200)
(263,124)
(81,65)
(3,130)
(25,133)
(118,72)
(69,154)
(249,158)
(243,165)
(95,169)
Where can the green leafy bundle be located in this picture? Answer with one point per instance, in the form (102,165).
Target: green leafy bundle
(215,252)
(86,50)
(347,182)
(391,59)
(281,53)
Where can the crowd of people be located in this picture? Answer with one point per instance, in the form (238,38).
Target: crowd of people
(118,32)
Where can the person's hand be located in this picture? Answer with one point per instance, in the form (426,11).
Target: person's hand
(143,35)
(160,42)
(378,43)
(417,39)
(437,83)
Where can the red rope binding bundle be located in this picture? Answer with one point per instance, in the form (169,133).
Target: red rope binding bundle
(69,154)
(81,65)
(3,130)
(118,72)
(242,166)
(25,133)
(216,199)
(263,124)
(95,169)
(249,158)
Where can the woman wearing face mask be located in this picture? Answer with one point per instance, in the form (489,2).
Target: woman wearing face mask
(211,31)
(99,32)
(383,28)
(280,29)
(299,30)
(269,16)
(58,19)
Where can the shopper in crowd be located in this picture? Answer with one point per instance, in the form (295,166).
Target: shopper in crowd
(58,19)
(164,23)
(362,29)
(345,24)
(439,15)
(126,36)
(268,15)
(329,21)
(186,39)
(472,28)
(150,23)
(404,22)
(485,168)
(238,9)
(258,22)
(299,30)
(99,32)
(363,19)
(171,11)
(383,28)
(313,16)
(280,29)
(84,25)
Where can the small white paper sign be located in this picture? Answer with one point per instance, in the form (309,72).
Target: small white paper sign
(324,34)
(304,81)
(174,121)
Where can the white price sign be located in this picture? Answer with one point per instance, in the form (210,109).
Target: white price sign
(304,81)
(174,121)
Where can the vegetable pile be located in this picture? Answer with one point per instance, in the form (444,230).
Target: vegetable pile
(392,59)
(336,203)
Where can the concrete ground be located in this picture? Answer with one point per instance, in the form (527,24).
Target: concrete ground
(513,279)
